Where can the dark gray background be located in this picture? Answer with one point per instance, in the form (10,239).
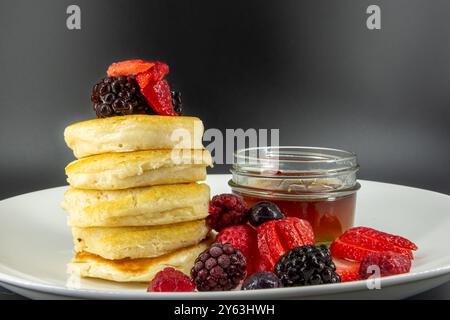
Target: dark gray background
(310,68)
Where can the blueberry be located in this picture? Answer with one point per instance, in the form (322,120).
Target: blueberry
(264,211)
(261,280)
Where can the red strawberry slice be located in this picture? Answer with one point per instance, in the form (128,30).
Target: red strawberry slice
(129,67)
(260,264)
(159,97)
(361,239)
(343,250)
(304,229)
(347,270)
(357,243)
(386,237)
(242,237)
(276,237)
(154,74)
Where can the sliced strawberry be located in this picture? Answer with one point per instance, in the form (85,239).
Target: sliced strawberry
(388,264)
(159,97)
(260,264)
(343,250)
(242,237)
(276,237)
(361,239)
(386,237)
(359,242)
(129,67)
(304,229)
(153,75)
(265,261)
(347,270)
(288,234)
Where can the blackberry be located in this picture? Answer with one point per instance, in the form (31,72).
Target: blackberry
(261,280)
(116,96)
(219,268)
(176,102)
(306,265)
(227,210)
(264,211)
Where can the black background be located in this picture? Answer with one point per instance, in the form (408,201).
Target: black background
(310,68)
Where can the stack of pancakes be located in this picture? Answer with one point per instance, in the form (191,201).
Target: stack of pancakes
(134,203)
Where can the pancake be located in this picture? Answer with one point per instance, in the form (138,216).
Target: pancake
(115,171)
(132,133)
(138,242)
(134,270)
(147,206)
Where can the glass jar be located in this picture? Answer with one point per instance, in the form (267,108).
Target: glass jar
(316,184)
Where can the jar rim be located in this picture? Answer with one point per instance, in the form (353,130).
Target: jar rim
(280,194)
(294,159)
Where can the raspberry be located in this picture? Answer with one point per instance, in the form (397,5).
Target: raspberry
(219,268)
(357,243)
(389,263)
(306,265)
(115,96)
(171,280)
(242,237)
(227,210)
(129,67)
(347,270)
(275,237)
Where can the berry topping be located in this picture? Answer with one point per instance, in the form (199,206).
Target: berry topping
(264,211)
(227,210)
(129,67)
(219,268)
(261,280)
(153,87)
(275,237)
(347,270)
(389,263)
(306,265)
(116,96)
(359,242)
(242,237)
(171,280)
(159,97)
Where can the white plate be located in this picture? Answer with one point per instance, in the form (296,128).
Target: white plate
(35,246)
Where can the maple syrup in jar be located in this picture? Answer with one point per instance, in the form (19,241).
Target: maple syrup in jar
(315,184)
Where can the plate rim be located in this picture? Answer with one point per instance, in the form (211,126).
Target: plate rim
(307,291)
(311,291)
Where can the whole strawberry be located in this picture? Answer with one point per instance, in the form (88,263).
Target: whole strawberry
(242,237)
(227,210)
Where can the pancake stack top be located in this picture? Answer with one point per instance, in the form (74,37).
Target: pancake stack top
(134,204)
